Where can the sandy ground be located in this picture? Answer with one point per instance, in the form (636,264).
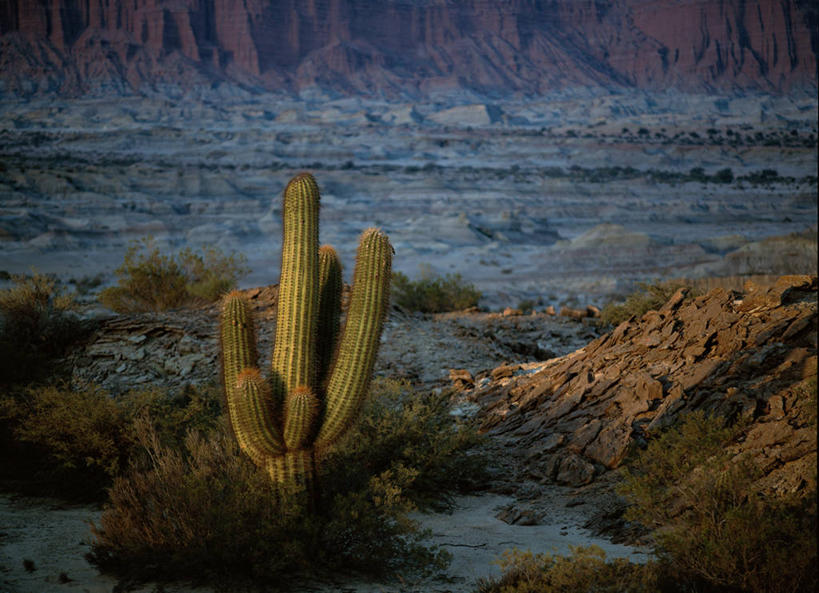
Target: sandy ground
(55,537)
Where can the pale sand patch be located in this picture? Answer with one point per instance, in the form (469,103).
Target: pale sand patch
(55,536)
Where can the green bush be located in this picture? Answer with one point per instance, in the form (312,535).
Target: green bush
(433,294)
(649,297)
(149,280)
(205,512)
(713,530)
(37,323)
(585,570)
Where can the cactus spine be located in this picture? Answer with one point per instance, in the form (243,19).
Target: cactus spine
(319,373)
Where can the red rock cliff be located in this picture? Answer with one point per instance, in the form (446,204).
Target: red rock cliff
(413,45)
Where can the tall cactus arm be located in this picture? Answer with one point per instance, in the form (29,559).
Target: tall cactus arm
(254,418)
(352,370)
(237,338)
(249,400)
(294,349)
(330,287)
(300,410)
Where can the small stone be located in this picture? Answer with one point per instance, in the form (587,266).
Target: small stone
(571,313)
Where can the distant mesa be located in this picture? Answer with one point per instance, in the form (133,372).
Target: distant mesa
(396,48)
(607,236)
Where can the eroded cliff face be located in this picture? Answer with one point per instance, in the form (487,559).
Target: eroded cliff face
(532,46)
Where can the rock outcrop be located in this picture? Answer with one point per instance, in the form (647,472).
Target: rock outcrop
(748,356)
(398,47)
(172,349)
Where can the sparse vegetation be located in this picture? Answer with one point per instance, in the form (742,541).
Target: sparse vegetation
(37,323)
(205,512)
(585,570)
(649,296)
(149,280)
(526,306)
(433,294)
(73,442)
(713,532)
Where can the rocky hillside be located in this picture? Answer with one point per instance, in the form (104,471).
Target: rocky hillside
(750,356)
(399,46)
(563,402)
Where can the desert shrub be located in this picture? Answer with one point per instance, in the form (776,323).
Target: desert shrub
(647,298)
(713,530)
(205,512)
(526,305)
(585,570)
(73,442)
(404,429)
(149,280)
(433,294)
(37,323)
(725,175)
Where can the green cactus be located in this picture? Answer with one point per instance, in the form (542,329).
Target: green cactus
(320,373)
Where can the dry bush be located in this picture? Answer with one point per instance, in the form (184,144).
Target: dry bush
(648,297)
(149,280)
(585,570)
(433,294)
(713,529)
(205,512)
(713,532)
(73,442)
(37,323)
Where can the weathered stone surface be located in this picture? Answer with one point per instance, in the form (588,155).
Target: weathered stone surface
(574,470)
(172,349)
(741,356)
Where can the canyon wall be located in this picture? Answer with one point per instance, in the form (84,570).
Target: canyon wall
(409,46)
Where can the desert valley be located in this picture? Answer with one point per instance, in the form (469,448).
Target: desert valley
(655,160)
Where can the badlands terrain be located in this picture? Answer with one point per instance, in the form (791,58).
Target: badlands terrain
(559,400)
(565,199)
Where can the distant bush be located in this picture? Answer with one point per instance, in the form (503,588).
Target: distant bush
(433,294)
(649,297)
(205,512)
(37,323)
(725,175)
(713,531)
(585,570)
(526,305)
(149,280)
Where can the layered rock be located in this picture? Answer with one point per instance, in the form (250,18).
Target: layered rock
(572,419)
(399,47)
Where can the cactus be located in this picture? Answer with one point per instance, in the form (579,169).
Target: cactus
(319,373)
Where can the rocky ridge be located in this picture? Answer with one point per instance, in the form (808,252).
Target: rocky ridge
(399,47)
(562,403)
(572,419)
